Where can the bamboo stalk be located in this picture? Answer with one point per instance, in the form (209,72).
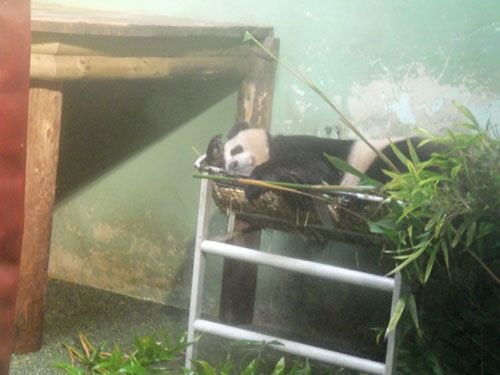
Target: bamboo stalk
(123,47)
(58,48)
(49,67)
(322,95)
(279,185)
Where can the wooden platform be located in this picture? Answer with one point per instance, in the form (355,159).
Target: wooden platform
(77,44)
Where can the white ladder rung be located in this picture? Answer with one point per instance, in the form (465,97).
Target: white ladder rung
(325,271)
(291,347)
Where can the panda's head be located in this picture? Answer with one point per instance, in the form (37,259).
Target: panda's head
(245,149)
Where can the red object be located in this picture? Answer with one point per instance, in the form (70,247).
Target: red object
(14,88)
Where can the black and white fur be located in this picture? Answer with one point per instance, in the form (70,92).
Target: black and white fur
(301,159)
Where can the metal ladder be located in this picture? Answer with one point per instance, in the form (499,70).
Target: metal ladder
(196,324)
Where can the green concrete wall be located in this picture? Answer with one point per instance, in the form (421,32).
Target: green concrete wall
(390,65)
(126,203)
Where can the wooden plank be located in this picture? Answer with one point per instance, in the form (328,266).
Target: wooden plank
(72,20)
(44,122)
(49,67)
(239,279)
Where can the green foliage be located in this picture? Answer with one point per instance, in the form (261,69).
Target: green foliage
(254,358)
(444,232)
(150,357)
(253,368)
(449,204)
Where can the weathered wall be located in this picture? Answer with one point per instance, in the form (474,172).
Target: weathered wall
(389,65)
(126,199)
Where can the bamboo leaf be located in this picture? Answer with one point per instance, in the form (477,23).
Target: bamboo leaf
(251,369)
(471,234)
(382,226)
(437,217)
(430,262)
(71,370)
(408,260)
(399,154)
(466,112)
(444,250)
(247,36)
(412,307)
(279,369)
(413,154)
(347,168)
(455,171)
(205,368)
(396,315)
(458,235)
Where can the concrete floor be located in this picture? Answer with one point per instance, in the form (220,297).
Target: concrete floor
(110,318)
(101,316)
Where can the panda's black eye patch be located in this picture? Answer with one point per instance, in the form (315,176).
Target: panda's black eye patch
(237,150)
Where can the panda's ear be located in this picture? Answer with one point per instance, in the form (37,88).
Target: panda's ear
(238,127)
(215,152)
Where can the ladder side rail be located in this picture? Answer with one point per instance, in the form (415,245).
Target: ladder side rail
(198,267)
(390,355)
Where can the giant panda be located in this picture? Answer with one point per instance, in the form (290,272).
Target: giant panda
(256,154)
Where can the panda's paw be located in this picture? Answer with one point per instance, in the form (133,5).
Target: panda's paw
(263,172)
(253,192)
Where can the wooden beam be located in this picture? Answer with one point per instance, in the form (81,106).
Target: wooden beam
(50,67)
(255,98)
(239,280)
(44,122)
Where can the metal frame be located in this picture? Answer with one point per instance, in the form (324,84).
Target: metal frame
(363,279)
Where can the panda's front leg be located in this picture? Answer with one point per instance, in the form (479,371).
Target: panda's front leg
(280,171)
(264,172)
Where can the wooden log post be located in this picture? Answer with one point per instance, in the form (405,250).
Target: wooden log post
(255,98)
(239,279)
(44,123)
